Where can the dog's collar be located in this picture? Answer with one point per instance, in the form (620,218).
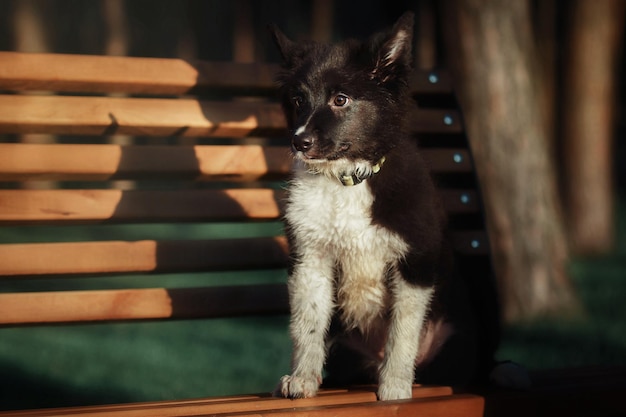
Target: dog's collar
(355,179)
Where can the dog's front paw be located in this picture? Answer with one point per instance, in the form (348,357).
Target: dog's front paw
(292,386)
(395,389)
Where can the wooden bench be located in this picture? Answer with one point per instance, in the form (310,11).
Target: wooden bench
(140,140)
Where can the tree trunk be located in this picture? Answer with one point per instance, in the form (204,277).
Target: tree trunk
(546,34)
(493,58)
(589,97)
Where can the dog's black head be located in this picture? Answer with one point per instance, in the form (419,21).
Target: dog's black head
(346,103)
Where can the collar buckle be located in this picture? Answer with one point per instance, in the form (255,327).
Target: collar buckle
(354,179)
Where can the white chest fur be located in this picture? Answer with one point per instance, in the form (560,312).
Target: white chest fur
(333,223)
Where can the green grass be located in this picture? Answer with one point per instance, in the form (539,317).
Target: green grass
(597,338)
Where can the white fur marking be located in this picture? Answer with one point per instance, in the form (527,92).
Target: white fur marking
(333,231)
(302,128)
(311,300)
(335,222)
(409,309)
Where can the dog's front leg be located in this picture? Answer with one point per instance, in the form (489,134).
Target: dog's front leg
(409,308)
(311,300)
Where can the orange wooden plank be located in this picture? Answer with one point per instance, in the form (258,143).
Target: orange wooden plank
(58,307)
(102,162)
(142,304)
(141,256)
(460,405)
(233,404)
(204,407)
(106,74)
(88,73)
(82,206)
(162,117)
(165,256)
(143,206)
(137,116)
(20,162)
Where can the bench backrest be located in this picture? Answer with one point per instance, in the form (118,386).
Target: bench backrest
(114,166)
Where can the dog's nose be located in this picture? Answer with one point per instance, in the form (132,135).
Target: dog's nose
(303,142)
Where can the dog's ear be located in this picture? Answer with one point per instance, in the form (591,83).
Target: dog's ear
(284,44)
(392,50)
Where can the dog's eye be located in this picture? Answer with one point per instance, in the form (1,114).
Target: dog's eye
(297,101)
(341,100)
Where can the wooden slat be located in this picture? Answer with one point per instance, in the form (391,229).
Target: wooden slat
(448,160)
(106,74)
(19,162)
(163,117)
(436,121)
(460,405)
(141,256)
(142,304)
(471,242)
(144,206)
(430,82)
(231,404)
(164,256)
(460,201)
(82,206)
(137,116)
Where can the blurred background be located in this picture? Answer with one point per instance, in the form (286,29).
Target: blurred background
(541,87)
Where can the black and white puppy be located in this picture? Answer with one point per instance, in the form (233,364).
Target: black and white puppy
(365,226)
